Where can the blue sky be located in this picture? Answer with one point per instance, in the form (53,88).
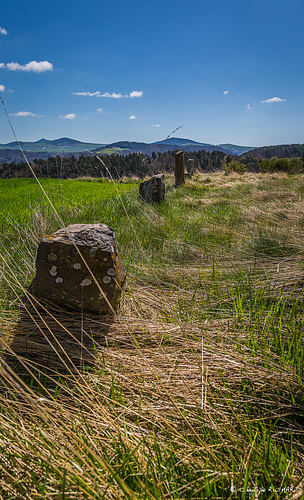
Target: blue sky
(104,71)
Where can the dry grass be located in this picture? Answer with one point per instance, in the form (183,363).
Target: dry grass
(188,387)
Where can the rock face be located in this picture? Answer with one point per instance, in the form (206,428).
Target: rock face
(76,264)
(153,190)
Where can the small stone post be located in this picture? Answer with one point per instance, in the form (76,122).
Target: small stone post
(79,267)
(179,168)
(153,190)
(190,167)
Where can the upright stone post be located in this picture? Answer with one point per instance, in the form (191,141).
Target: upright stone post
(179,168)
(190,167)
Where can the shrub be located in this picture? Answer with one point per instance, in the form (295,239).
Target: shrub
(291,166)
(234,166)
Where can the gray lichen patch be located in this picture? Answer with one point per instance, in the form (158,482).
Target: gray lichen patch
(77,265)
(86,282)
(53,271)
(59,280)
(106,279)
(111,271)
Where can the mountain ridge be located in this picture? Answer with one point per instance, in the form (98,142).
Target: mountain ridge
(65,146)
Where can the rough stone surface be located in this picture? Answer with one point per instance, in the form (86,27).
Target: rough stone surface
(74,264)
(190,167)
(179,168)
(153,190)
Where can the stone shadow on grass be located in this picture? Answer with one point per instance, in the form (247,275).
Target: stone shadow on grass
(52,343)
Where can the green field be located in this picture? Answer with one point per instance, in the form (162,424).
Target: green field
(194,389)
(114,150)
(21,198)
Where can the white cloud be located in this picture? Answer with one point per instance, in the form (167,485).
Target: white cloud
(3,31)
(274,99)
(90,94)
(35,66)
(249,106)
(26,113)
(156,125)
(2,88)
(132,117)
(114,95)
(100,110)
(226,92)
(70,116)
(136,93)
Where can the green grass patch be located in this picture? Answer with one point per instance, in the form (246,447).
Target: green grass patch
(20,197)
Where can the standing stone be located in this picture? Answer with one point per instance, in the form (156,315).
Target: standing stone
(179,168)
(190,167)
(75,263)
(153,190)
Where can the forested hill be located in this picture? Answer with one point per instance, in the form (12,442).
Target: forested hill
(64,147)
(126,147)
(280,151)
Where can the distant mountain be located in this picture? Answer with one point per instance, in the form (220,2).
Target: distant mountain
(280,151)
(126,147)
(231,148)
(65,146)
(237,150)
(176,141)
(57,146)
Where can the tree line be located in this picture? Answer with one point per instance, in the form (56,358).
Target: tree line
(113,165)
(142,165)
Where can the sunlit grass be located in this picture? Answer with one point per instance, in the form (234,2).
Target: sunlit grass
(20,197)
(123,415)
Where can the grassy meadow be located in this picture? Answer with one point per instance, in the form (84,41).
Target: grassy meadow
(194,388)
(21,198)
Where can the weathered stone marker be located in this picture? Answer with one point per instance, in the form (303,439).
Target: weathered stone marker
(71,261)
(179,168)
(190,167)
(153,190)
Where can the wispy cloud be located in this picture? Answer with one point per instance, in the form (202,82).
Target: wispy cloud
(249,106)
(226,92)
(132,117)
(100,110)
(90,94)
(274,99)
(3,31)
(2,88)
(23,114)
(156,125)
(70,116)
(113,95)
(35,66)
